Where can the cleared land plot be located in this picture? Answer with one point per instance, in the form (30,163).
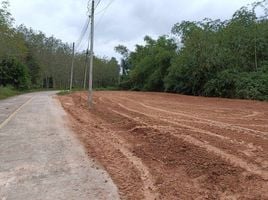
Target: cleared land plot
(165,146)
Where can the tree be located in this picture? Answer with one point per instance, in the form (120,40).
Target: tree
(45,61)
(149,64)
(124,52)
(212,58)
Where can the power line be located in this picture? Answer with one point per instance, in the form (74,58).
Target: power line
(86,62)
(85,28)
(89,6)
(82,34)
(97,4)
(104,9)
(98,22)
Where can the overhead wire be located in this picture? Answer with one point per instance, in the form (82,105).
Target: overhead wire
(89,6)
(86,26)
(104,11)
(82,34)
(97,4)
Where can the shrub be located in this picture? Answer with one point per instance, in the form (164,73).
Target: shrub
(14,73)
(253,86)
(223,85)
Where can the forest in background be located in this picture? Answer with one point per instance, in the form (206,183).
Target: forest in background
(30,59)
(206,58)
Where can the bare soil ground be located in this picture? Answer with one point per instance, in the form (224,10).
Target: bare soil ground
(166,146)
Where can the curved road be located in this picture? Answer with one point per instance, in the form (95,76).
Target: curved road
(39,156)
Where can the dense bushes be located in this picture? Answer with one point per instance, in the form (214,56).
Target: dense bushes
(252,86)
(222,85)
(13,72)
(212,58)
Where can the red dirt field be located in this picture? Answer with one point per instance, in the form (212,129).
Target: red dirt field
(167,146)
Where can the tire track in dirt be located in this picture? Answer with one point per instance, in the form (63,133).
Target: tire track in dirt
(174,122)
(254,114)
(240,141)
(231,138)
(178,160)
(149,190)
(220,124)
(207,121)
(232,159)
(249,146)
(243,130)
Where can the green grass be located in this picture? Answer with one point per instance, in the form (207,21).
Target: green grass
(10,91)
(107,89)
(66,92)
(63,92)
(6,92)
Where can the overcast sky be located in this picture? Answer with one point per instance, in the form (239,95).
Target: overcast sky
(124,22)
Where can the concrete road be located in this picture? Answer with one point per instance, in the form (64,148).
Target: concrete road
(41,159)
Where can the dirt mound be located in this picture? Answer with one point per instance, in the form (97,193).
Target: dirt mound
(164,146)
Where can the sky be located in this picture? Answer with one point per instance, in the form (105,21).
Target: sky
(123,22)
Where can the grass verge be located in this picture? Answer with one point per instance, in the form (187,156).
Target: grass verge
(6,92)
(107,89)
(63,92)
(66,92)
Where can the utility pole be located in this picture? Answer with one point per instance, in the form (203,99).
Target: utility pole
(85,72)
(72,70)
(90,92)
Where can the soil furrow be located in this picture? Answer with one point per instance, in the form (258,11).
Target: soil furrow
(227,157)
(152,152)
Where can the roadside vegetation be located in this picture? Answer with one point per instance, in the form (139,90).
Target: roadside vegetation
(31,60)
(6,92)
(206,58)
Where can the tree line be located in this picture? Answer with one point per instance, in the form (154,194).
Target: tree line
(30,59)
(204,58)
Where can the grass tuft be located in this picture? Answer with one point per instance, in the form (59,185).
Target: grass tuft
(63,92)
(8,91)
